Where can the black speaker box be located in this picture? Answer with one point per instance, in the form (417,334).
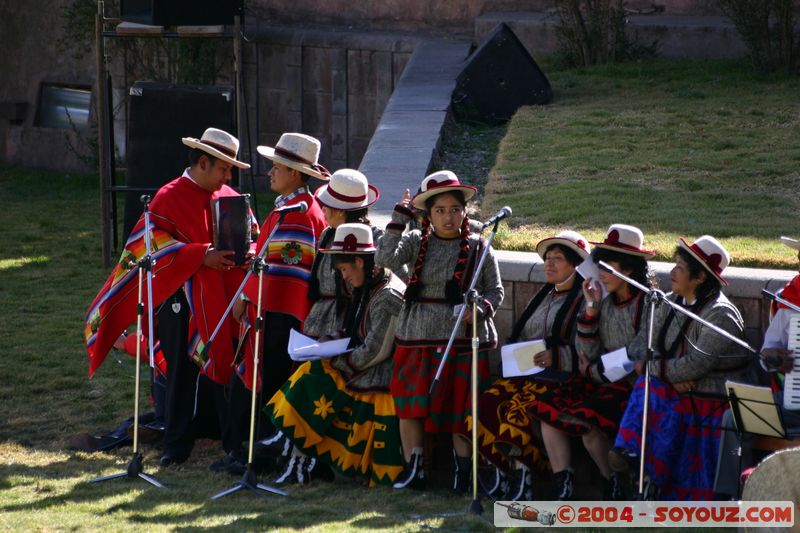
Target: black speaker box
(160,115)
(180,12)
(499,77)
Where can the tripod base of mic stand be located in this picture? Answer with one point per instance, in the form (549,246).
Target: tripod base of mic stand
(475,507)
(134,470)
(250,482)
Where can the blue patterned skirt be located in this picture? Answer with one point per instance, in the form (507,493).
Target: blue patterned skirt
(683,434)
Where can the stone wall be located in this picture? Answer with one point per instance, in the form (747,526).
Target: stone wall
(30,55)
(432,15)
(332,85)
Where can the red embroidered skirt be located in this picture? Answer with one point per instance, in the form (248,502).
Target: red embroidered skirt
(579,405)
(445,410)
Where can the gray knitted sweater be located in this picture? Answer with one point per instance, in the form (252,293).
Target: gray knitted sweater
(429,320)
(700,354)
(614,327)
(369,365)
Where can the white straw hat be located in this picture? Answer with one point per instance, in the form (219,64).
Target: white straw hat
(347,190)
(351,239)
(711,254)
(438,183)
(219,144)
(297,151)
(571,239)
(625,239)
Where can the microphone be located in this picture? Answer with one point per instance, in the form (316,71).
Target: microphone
(505,212)
(300,207)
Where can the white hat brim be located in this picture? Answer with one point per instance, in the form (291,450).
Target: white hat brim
(419,200)
(197,143)
(365,251)
(269,153)
(327,200)
(791,243)
(544,244)
(647,254)
(684,245)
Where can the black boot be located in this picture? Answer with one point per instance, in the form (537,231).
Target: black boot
(276,445)
(520,485)
(615,489)
(462,475)
(622,460)
(492,481)
(413,476)
(564,486)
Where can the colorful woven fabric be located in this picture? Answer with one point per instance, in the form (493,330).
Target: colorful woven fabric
(682,443)
(356,433)
(446,409)
(181,223)
(579,405)
(507,426)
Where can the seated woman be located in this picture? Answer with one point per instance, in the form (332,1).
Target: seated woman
(682,429)
(506,432)
(338,411)
(588,405)
(346,198)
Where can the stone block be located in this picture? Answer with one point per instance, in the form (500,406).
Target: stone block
(516,266)
(523,292)
(275,113)
(275,63)
(339,148)
(503,321)
(316,112)
(317,69)
(508,294)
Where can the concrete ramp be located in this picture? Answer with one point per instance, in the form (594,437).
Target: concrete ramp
(407,136)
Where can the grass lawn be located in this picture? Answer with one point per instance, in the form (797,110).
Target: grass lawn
(50,269)
(676,148)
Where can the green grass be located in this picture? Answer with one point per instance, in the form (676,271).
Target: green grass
(676,148)
(50,269)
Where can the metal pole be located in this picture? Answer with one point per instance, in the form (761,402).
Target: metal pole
(102,134)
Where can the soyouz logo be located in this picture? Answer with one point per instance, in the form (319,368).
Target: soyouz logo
(644,514)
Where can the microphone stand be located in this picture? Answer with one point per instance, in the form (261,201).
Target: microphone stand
(249,480)
(470,298)
(656,297)
(250,272)
(773,296)
(145,264)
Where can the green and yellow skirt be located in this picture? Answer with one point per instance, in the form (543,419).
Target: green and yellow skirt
(355,433)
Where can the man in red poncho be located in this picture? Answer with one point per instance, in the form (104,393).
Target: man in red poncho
(285,292)
(192,285)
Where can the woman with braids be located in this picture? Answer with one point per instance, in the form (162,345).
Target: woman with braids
(338,411)
(588,405)
(445,255)
(506,432)
(688,375)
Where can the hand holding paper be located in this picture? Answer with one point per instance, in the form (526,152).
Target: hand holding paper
(303,348)
(517,358)
(617,365)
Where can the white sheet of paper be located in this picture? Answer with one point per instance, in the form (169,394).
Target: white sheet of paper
(303,348)
(617,365)
(517,358)
(588,269)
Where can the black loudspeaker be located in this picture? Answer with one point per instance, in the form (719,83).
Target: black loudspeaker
(180,12)
(499,77)
(161,114)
